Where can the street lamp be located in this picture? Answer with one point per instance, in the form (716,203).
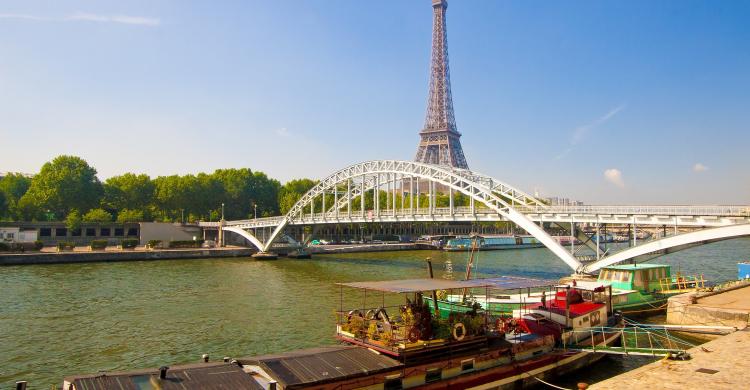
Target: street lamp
(222,211)
(255,210)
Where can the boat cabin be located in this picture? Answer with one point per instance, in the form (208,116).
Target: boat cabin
(648,278)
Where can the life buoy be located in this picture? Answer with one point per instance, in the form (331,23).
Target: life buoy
(459,331)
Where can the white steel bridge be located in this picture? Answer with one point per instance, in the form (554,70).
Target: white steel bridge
(411,195)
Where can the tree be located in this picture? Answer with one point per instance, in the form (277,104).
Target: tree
(3,205)
(126,215)
(292,191)
(13,186)
(73,220)
(128,191)
(97,215)
(64,184)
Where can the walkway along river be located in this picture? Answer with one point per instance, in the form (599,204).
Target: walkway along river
(83,318)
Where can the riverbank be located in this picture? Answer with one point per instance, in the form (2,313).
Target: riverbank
(727,307)
(139,254)
(717,364)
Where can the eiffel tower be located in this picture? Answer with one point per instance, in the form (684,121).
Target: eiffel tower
(439,143)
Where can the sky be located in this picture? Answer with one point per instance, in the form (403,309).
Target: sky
(627,102)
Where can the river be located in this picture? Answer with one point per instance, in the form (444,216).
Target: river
(65,319)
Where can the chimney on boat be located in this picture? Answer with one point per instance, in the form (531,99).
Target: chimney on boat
(163,372)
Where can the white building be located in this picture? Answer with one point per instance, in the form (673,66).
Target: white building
(16,234)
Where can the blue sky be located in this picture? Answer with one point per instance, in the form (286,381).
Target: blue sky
(607,102)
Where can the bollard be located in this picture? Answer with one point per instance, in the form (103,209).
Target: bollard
(163,372)
(21,385)
(205,358)
(226,359)
(583,385)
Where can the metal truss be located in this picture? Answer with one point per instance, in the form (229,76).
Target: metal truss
(440,142)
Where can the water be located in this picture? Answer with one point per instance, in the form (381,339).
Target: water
(58,320)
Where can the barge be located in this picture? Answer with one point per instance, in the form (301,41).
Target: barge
(401,342)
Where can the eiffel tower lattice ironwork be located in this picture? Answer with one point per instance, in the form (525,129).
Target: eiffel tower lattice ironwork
(439,143)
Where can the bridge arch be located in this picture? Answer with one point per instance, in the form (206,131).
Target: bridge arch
(245,234)
(699,236)
(475,186)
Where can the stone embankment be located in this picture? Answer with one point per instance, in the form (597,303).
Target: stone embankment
(121,255)
(729,306)
(722,363)
(719,364)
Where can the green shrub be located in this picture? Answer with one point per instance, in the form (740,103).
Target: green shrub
(186,244)
(129,243)
(38,245)
(4,247)
(63,245)
(98,244)
(153,243)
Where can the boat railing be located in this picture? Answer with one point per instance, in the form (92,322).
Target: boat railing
(633,341)
(375,326)
(681,282)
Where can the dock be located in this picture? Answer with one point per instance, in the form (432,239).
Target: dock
(729,306)
(717,364)
(721,363)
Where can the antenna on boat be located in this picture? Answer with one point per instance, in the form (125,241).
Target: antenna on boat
(469,264)
(434,292)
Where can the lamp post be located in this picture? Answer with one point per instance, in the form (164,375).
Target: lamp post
(255,210)
(221,226)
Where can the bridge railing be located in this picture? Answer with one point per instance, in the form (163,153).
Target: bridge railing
(479,211)
(676,210)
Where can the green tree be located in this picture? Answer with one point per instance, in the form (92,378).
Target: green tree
(14,186)
(64,184)
(126,215)
(3,206)
(128,191)
(97,215)
(73,220)
(292,191)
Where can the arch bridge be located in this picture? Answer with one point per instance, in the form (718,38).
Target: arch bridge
(387,191)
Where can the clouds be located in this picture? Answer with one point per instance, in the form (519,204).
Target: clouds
(614,176)
(579,133)
(283,132)
(698,168)
(88,17)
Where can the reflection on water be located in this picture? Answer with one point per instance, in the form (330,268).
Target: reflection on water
(83,318)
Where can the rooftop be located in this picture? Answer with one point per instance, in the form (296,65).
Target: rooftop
(320,365)
(419,285)
(194,376)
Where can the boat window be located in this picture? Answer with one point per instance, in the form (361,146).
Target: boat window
(625,277)
(467,365)
(393,384)
(433,375)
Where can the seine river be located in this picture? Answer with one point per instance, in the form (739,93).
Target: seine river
(57,320)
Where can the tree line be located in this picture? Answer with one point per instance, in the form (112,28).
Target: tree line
(67,188)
